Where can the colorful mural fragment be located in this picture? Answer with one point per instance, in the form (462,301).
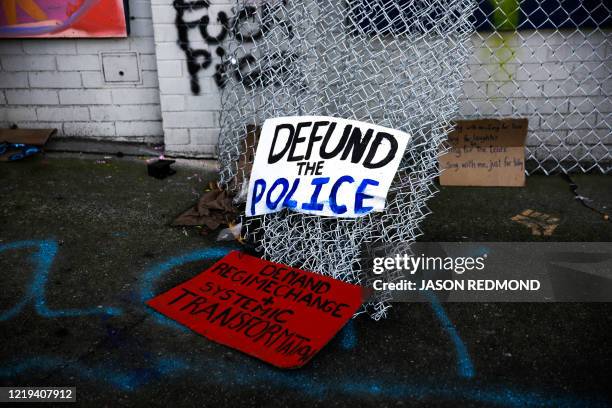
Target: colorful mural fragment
(62,18)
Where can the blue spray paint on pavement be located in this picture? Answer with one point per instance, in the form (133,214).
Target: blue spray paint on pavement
(125,380)
(42,260)
(348,335)
(253,373)
(159,270)
(464,363)
(247,373)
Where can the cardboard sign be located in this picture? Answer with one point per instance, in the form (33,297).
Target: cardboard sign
(278,314)
(244,164)
(323,166)
(485,152)
(18,142)
(35,137)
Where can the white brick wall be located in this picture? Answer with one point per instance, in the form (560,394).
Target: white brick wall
(59,83)
(541,75)
(545,75)
(191,122)
(560,80)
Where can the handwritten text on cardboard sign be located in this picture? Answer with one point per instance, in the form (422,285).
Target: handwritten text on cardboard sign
(324,166)
(279,314)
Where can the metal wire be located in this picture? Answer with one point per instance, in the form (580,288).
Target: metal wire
(395,64)
(549,61)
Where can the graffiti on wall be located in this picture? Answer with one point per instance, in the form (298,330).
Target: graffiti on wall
(248,25)
(61,18)
(251,22)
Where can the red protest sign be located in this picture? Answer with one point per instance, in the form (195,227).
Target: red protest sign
(271,311)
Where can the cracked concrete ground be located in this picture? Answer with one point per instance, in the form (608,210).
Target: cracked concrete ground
(73,314)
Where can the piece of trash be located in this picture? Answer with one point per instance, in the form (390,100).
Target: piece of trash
(160,169)
(230,233)
(589,203)
(17,144)
(196,176)
(245,163)
(100,161)
(540,223)
(17,151)
(582,198)
(241,197)
(213,209)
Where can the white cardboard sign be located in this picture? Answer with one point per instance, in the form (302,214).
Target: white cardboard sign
(324,166)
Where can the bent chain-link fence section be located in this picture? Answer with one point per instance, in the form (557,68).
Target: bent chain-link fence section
(403,64)
(395,64)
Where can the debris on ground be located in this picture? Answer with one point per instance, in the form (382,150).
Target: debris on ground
(539,222)
(195,176)
(160,168)
(231,233)
(214,209)
(16,151)
(591,204)
(17,144)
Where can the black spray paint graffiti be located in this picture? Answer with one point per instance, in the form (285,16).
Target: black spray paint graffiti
(248,25)
(197,59)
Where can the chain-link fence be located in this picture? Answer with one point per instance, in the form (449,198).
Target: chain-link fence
(402,64)
(549,61)
(395,64)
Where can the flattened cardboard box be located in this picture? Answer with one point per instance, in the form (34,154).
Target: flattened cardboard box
(30,137)
(247,155)
(485,152)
